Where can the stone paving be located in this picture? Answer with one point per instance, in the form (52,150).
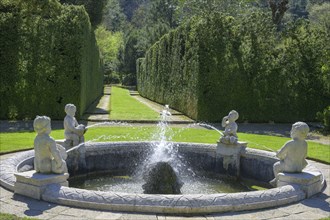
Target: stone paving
(100,110)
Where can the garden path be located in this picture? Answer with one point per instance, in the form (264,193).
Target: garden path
(99,111)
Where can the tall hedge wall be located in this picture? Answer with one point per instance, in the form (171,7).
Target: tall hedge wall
(170,73)
(49,58)
(210,66)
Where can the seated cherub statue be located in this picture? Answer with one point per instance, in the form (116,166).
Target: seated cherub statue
(73,132)
(49,156)
(293,154)
(228,122)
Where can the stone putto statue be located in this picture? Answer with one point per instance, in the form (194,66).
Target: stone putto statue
(73,132)
(228,122)
(293,153)
(49,156)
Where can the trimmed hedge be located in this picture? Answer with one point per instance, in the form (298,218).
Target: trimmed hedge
(207,67)
(49,57)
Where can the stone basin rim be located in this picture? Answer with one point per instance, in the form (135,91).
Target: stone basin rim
(174,204)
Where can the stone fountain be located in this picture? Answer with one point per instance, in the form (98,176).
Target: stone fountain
(228,157)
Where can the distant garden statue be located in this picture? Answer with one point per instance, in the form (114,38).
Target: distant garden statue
(73,132)
(228,122)
(49,156)
(293,154)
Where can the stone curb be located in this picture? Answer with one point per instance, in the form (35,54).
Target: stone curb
(173,204)
(179,204)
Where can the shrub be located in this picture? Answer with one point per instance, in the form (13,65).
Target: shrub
(129,80)
(209,66)
(115,78)
(49,58)
(324,117)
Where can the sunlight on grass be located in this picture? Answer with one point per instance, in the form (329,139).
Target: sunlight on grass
(4,216)
(125,107)
(24,140)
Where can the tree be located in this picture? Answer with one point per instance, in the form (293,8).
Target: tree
(109,44)
(129,7)
(278,7)
(94,9)
(320,14)
(113,18)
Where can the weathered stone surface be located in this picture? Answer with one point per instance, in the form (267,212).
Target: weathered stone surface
(49,156)
(293,154)
(230,133)
(9,167)
(161,179)
(32,184)
(230,155)
(173,203)
(311,182)
(73,132)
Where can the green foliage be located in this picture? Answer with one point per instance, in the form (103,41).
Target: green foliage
(109,44)
(94,8)
(202,8)
(4,216)
(114,79)
(129,53)
(49,58)
(113,17)
(129,80)
(169,73)
(324,117)
(209,66)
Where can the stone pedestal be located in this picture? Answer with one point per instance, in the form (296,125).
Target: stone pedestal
(228,158)
(67,144)
(33,184)
(311,182)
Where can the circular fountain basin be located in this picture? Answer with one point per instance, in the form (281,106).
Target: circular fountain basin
(123,157)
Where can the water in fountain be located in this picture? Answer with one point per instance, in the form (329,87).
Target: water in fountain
(105,137)
(209,126)
(111,123)
(163,150)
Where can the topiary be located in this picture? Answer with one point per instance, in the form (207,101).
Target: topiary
(324,117)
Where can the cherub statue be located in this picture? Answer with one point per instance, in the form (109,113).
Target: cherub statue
(293,153)
(228,122)
(49,156)
(73,132)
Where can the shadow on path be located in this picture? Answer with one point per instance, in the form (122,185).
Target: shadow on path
(35,207)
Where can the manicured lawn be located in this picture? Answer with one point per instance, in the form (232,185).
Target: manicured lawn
(24,140)
(125,107)
(13,217)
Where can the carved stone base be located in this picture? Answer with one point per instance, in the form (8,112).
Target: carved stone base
(32,184)
(67,144)
(230,155)
(311,182)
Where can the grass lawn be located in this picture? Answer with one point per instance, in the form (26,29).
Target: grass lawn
(24,140)
(4,216)
(125,107)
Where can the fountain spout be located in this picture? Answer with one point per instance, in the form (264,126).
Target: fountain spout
(161,179)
